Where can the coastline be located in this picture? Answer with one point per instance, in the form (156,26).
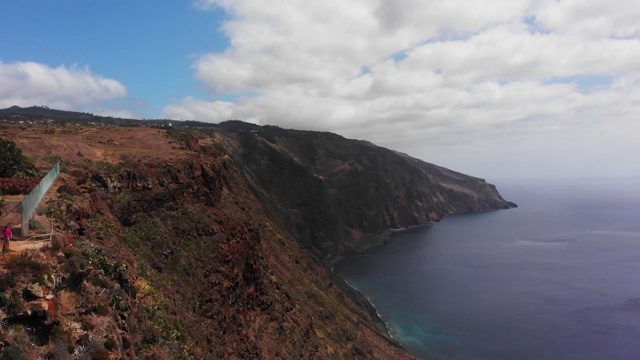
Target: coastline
(371,242)
(389,331)
(383,328)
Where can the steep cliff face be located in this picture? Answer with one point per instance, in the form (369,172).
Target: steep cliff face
(338,195)
(208,244)
(163,251)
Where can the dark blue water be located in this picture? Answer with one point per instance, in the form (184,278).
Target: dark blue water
(556,278)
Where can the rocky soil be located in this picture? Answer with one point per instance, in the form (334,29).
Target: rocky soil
(167,247)
(210,242)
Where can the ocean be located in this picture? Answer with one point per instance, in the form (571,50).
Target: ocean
(556,278)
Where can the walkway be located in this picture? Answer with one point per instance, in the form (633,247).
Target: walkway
(13,220)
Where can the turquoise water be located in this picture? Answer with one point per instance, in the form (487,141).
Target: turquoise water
(556,278)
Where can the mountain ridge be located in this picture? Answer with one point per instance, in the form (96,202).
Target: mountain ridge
(214,242)
(372,189)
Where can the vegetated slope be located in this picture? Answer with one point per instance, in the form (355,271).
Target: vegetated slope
(166,253)
(338,195)
(43,114)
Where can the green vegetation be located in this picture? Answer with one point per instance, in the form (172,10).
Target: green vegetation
(11,159)
(18,174)
(159,326)
(7,281)
(12,353)
(146,232)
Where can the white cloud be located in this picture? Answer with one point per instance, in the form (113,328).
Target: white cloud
(30,83)
(192,108)
(590,19)
(442,80)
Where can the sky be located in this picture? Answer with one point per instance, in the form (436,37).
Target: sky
(496,89)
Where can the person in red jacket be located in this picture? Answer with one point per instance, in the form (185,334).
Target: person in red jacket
(7,238)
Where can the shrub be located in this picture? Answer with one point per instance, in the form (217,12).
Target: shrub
(101,281)
(101,309)
(57,243)
(12,353)
(11,158)
(110,344)
(61,341)
(18,186)
(7,281)
(34,225)
(54,212)
(14,305)
(26,263)
(87,324)
(101,354)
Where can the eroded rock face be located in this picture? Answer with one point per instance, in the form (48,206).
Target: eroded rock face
(211,247)
(181,259)
(338,195)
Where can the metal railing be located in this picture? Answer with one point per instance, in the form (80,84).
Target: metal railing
(31,202)
(42,237)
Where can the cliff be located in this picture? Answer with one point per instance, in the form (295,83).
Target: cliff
(338,195)
(208,243)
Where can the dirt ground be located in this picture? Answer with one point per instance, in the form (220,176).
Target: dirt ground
(78,144)
(21,245)
(99,143)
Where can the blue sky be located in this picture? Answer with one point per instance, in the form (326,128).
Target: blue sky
(493,88)
(149,46)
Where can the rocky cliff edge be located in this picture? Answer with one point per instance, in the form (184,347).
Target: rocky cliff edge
(209,243)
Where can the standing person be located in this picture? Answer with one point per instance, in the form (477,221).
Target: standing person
(7,233)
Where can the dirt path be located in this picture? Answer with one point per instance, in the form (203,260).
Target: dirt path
(13,218)
(21,245)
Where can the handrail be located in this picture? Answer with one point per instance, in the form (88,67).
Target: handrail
(49,236)
(33,237)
